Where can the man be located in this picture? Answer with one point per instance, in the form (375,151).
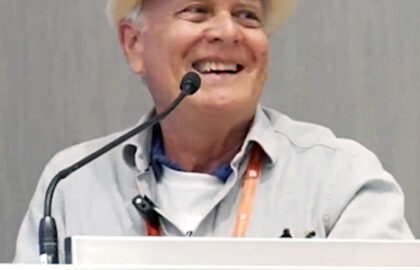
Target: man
(201,163)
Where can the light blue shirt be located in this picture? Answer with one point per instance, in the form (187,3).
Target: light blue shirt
(311,181)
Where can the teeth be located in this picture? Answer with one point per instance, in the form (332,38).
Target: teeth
(206,67)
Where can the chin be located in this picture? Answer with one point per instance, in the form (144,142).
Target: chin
(218,107)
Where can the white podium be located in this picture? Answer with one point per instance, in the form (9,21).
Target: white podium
(240,253)
(126,267)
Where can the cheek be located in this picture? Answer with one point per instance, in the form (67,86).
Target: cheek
(263,55)
(263,48)
(174,53)
(180,37)
(258,45)
(261,61)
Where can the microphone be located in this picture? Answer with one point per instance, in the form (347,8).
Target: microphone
(190,83)
(48,245)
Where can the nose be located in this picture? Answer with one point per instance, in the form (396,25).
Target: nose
(223,28)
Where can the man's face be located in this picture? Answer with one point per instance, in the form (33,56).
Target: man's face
(223,41)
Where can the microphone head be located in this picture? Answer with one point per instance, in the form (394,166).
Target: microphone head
(190,83)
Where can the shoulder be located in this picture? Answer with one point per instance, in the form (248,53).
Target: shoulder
(110,163)
(308,136)
(324,155)
(74,153)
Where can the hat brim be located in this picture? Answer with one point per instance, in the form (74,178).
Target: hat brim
(277,12)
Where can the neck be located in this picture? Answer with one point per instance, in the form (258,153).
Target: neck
(200,144)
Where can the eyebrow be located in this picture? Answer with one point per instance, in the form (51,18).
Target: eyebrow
(254,3)
(257,4)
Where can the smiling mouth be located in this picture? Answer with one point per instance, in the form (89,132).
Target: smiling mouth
(211,67)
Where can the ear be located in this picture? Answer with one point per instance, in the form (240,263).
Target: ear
(130,41)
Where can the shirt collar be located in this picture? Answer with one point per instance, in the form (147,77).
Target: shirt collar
(137,151)
(159,159)
(262,132)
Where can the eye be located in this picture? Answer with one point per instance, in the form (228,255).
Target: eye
(248,18)
(197,9)
(194,13)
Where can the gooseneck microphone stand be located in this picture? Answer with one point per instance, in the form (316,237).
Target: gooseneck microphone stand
(48,243)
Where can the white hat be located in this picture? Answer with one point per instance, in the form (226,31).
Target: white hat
(277,12)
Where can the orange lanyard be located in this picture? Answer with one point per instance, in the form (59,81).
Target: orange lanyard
(250,184)
(250,181)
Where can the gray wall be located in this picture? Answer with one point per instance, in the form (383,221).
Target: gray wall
(352,65)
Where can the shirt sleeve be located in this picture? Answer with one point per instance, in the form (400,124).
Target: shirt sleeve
(371,201)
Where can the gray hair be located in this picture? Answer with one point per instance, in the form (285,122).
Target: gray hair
(136,16)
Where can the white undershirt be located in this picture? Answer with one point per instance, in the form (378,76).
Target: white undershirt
(184,196)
